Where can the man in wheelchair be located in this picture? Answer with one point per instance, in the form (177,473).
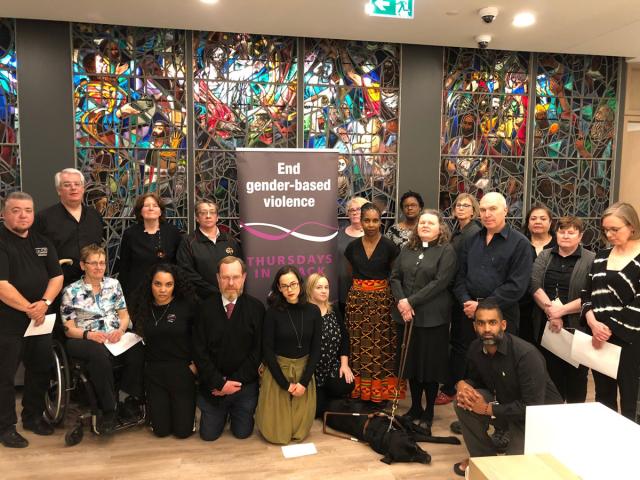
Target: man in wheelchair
(94,313)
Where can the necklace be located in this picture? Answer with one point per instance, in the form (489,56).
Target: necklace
(298,337)
(157,320)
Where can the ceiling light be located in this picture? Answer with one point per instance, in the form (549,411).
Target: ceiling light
(524,19)
(209,2)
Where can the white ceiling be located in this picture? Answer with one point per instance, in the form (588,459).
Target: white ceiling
(606,27)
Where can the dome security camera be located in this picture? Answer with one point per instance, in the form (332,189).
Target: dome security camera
(483,41)
(488,14)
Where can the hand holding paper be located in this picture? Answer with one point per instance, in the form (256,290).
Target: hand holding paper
(127,341)
(44,328)
(604,359)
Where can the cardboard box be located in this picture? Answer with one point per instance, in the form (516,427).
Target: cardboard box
(519,467)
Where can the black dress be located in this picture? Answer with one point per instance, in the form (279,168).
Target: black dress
(140,251)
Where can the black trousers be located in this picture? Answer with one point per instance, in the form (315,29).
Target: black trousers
(100,364)
(461,336)
(37,355)
(171,397)
(627,382)
(571,382)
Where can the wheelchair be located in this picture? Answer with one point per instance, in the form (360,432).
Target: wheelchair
(69,382)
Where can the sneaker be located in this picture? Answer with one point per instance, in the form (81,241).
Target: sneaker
(456,427)
(12,439)
(500,439)
(38,426)
(444,399)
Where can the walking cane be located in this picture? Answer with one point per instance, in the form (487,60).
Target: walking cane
(406,339)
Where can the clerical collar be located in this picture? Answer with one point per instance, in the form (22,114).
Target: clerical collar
(425,244)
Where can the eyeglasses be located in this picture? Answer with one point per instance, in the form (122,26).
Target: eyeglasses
(207,213)
(463,205)
(613,230)
(291,286)
(96,264)
(353,210)
(410,205)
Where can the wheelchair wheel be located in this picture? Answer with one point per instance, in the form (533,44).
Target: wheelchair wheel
(57,395)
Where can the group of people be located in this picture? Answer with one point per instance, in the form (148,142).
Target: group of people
(461,305)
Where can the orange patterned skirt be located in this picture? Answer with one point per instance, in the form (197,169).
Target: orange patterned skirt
(373,341)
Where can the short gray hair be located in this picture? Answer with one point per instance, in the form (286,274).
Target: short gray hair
(17,196)
(68,171)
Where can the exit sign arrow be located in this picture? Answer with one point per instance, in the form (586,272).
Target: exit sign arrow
(391,8)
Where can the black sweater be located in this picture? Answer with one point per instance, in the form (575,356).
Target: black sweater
(139,252)
(167,334)
(280,339)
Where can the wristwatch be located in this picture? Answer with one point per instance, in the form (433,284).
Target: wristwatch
(46,302)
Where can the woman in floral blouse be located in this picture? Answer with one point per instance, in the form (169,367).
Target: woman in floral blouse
(94,313)
(334,378)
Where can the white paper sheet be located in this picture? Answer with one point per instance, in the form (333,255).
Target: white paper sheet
(559,344)
(299,450)
(44,328)
(127,341)
(605,360)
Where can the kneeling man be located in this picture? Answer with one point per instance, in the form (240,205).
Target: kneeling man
(227,340)
(505,374)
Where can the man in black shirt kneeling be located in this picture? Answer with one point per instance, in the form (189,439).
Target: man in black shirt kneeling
(227,341)
(505,374)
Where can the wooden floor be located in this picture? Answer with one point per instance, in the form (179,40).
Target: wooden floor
(137,454)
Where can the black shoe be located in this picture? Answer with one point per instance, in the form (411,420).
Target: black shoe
(38,426)
(106,423)
(426,422)
(413,414)
(500,439)
(458,468)
(12,439)
(130,410)
(456,427)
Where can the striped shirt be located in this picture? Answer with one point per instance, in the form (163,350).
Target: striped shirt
(614,296)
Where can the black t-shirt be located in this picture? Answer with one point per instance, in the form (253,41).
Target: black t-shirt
(378,267)
(167,334)
(28,264)
(68,235)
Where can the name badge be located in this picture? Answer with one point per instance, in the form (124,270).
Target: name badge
(42,251)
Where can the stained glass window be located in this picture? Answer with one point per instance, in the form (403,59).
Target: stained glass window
(9,148)
(484,131)
(130,120)
(245,93)
(484,126)
(351,103)
(575,116)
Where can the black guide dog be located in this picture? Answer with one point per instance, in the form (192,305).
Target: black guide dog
(398,444)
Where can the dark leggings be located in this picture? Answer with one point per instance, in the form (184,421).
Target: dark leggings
(430,389)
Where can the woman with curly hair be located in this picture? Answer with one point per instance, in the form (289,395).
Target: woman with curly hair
(291,348)
(163,315)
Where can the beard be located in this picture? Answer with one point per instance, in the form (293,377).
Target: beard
(232,295)
(493,339)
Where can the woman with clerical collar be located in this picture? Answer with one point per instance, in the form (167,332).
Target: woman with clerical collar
(420,284)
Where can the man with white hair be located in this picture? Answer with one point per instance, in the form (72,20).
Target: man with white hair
(496,262)
(70,225)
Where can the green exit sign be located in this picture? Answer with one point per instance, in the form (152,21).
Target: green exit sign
(391,8)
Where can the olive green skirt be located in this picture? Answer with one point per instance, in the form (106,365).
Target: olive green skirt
(280,417)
